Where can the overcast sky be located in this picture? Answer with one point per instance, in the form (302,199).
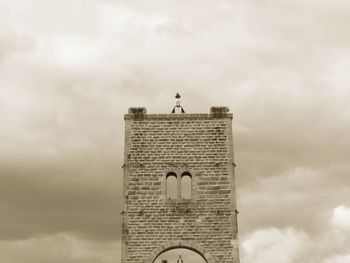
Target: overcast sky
(69,70)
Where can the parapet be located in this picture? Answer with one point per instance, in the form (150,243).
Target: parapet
(215,112)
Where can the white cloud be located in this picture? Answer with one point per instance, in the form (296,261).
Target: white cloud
(341,217)
(287,245)
(274,245)
(338,259)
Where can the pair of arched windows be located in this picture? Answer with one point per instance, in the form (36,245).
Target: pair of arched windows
(178,187)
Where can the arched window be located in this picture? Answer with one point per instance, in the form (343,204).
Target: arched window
(171,186)
(186,185)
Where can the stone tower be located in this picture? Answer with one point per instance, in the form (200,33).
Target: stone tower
(163,152)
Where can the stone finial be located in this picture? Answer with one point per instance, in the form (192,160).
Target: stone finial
(137,110)
(219,109)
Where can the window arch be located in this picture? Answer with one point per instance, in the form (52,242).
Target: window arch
(171,186)
(186,185)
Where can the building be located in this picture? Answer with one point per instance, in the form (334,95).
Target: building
(179,186)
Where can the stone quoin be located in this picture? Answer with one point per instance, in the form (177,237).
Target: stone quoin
(161,149)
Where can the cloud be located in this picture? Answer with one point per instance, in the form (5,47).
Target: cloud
(341,218)
(290,244)
(69,70)
(275,245)
(304,199)
(338,259)
(62,247)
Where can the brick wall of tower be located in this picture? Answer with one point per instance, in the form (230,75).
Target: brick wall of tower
(201,144)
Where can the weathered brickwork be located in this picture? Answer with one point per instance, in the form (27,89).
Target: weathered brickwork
(200,144)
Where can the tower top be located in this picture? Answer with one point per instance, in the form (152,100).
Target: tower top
(215,112)
(179,186)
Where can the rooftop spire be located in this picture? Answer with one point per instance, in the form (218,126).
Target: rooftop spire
(178,108)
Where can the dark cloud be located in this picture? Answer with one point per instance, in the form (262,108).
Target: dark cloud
(49,199)
(69,71)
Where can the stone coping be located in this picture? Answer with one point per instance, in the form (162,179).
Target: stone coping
(178,116)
